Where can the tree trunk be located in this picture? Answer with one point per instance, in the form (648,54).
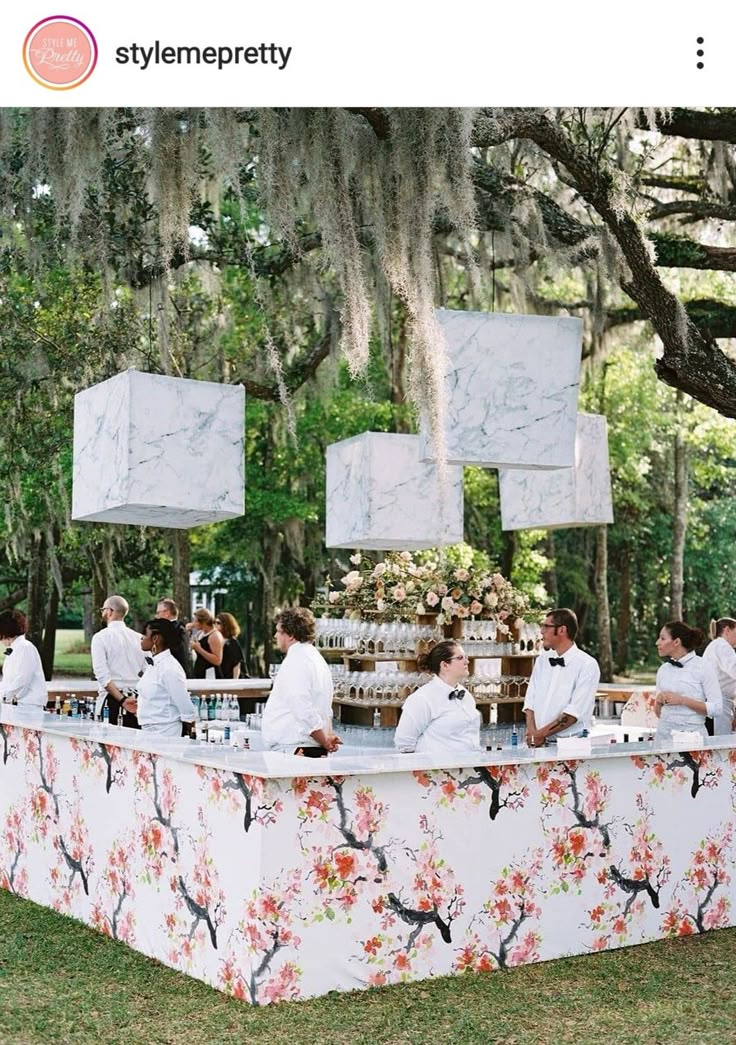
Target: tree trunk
(549,579)
(267,575)
(679,522)
(100,590)
(88,615)
(624,613)
(37,590)
(508,551)
(181,568)
(48,646)
(605,652)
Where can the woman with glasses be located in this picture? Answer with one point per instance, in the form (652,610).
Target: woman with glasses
(440,716)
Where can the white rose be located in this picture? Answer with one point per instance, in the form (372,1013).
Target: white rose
(379,570)
(356,559)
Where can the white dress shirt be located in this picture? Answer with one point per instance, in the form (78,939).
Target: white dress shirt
(555,690)
(722,657)
(163,699)
(432,723)
(23,679)
(696,678)
(116,657)
(300,701)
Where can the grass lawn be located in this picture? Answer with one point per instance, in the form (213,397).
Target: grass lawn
(72,654)
(62,982)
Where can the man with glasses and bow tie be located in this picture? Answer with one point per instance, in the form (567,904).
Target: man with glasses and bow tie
(440,716)
(23,681)
(561,693)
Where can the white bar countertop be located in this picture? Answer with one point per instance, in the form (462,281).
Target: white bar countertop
(82,686)
(275,765)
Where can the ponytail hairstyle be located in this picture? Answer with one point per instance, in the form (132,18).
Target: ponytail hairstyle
(442,653)
(717,627)
(690,638)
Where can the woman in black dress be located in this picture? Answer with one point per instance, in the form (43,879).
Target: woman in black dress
(209,647)
(233,660)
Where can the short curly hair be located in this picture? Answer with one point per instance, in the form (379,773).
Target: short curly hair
(12,623)
(299,623)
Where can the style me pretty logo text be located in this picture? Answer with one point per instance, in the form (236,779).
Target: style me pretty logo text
(145,56)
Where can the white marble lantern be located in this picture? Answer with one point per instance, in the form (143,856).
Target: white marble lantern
(511,389)
(579,496)
(381,496)
(158,451)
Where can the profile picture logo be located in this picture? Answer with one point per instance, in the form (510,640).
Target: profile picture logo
(60,52)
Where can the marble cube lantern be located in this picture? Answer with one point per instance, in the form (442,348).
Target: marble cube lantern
(579,496)
(158,451)
(512,389)
(381,496)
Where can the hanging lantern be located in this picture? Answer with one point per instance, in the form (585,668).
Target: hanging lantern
(381,496)
(511,389)
(578,496)
(152,450)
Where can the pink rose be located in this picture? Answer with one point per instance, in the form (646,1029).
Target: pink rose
(431,598)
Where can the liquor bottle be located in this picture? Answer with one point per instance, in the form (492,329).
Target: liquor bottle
(377,718)
(105,714)
(514,737)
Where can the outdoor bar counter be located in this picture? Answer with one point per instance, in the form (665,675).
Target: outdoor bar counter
(271,877)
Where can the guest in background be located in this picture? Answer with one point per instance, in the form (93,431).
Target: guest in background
(23,679)
(117,662)
(209,646)
(233,659)
(441,715)
(719,653)
(163,700)
(167,609)
(561,693)
(687,685)
(298,714)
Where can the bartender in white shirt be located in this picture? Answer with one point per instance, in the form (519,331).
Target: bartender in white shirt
(719,653)
(687,686)
(117,662)
(440,716)
(23,679)
(298,714)
(163,699)
(561,693)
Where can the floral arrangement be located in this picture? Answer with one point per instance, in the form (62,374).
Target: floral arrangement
(400,588)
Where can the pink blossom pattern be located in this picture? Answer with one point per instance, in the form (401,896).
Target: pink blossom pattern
(695,907)
(117,885)
(641,880)
(506,784)
(266,929)
(580,842)
(494,939)
(13,851)
(698,768)
(199,905)
(8,736)
(257,797)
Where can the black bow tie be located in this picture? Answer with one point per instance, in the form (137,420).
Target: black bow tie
(456,694)
(555,661)
(149,660)
(674,663)
(8,651)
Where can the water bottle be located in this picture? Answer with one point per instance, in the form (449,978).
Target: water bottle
(211,710)
(105,714)
(226,737)
(514,737)
(377,718)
